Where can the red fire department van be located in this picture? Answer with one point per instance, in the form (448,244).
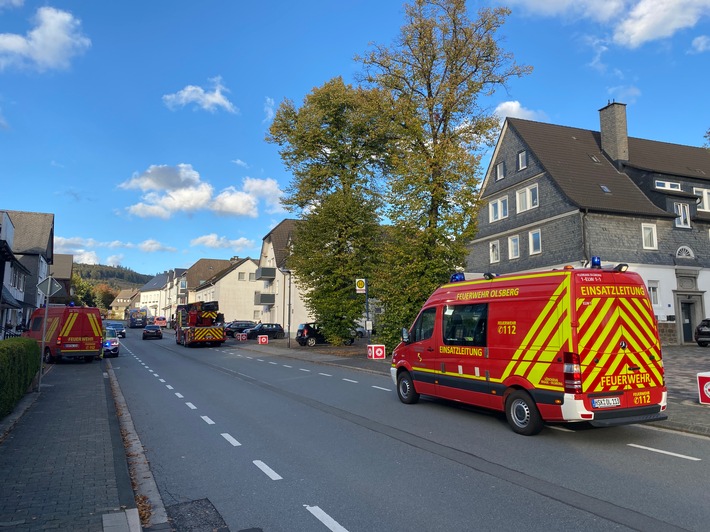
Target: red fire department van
(71,332)
(569,345)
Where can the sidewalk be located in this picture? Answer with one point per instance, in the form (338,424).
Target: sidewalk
(63,464)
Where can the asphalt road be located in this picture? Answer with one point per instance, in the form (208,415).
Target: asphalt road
(262,441)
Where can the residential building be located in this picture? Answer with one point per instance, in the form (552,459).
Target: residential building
(153,295)
(234,289)
(13,279)
(555,196)
(118,309)
(197,274)
(61,271)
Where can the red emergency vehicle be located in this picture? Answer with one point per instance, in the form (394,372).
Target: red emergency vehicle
(570,345)
(199,323)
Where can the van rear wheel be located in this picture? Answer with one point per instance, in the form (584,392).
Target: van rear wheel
(48,358)
(522,414)
(405,389)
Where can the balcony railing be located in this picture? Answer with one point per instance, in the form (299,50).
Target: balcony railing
(264,299)
(265,274)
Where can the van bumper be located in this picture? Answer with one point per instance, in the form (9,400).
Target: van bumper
(628,417)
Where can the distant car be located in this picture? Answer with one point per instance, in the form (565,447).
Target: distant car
(111,343)
(160,321)
(238,327)
(702,333)
(272,330)
(310,334)
(119,327)
(152,331)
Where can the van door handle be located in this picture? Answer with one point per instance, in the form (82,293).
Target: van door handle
(634,368)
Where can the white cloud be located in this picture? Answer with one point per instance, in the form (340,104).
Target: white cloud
(209,101)
(220,242)
(241,163)
(52,43)
(11,3)
(700,44)
(114,260)
(598,10)
(163,177)
(151,246)
(513,109)
(86,257)
(267,190)
(233,201)
(269,104)
(625,93)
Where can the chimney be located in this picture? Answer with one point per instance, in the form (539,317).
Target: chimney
(615,139)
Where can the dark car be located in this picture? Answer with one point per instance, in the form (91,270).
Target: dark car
(236,327)
(152,331)
(702,333)
(272,330)
(119,327)
(309,334)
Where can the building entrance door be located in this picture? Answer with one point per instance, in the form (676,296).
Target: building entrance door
(687,315)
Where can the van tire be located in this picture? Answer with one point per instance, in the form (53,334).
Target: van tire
(48,358)
(522,413)
(405,389)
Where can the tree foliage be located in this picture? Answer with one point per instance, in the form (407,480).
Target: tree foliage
(83,291)
(707,138)
(439,71)
(336,146)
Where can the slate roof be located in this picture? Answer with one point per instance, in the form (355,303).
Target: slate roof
(62,267)
(156,283)
(34,233)
(223,273)
(281,237)
(202,270)
(566,154)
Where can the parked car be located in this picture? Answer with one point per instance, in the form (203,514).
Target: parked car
(235,327)
(160,321)
(702,333)
(119,327)
(111,343)
(272,330)
(310,334)
(152,331)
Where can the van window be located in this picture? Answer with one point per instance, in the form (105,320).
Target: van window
(465,324)
(36,324)
(423,328)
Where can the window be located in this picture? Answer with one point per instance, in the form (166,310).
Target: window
(683,212)
(648,235)
(241,276)
(494,251)
(465,324)
(703,193)
(252,277)
(526,198)
(423,328)
(653,292)
(500,171)
(522,160)
(535,242)
(498,209)
(513,247)
(667,185)
(684,252)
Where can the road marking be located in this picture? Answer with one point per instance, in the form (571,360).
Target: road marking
(231,440)
(273,363)
(162,380)
(207,420)
(273,475)
(169,387)
(287,366)
(324,518)
(325,374)
(259,359)
(191,406)
(561,429)
(179,395)
(381,388)
(350,380)
(665,452)
(304,369)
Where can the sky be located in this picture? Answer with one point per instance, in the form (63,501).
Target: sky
(141,125)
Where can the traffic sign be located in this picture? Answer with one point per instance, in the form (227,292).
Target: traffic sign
(376,352)
(360,286)
(49,286)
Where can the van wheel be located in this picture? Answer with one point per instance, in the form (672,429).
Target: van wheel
(311,341)
(703,344)
(48,358)
(522,413)
(405,389)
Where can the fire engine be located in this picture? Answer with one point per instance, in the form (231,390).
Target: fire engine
(560,346)
(199,323)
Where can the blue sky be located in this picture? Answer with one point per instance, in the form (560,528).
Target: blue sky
(141,124)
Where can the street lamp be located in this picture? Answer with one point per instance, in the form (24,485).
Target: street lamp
(288,319)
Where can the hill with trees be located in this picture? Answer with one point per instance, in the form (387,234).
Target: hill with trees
(117,277)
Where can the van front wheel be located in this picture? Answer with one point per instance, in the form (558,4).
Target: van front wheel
(522,413)
(48,358)
(405,389)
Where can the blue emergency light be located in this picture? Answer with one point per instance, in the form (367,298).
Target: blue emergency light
(457,277)
(596,262)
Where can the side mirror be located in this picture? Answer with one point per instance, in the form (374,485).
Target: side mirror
(405,335)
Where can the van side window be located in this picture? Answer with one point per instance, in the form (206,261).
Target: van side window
(423,328)
(465,324)
(36,324)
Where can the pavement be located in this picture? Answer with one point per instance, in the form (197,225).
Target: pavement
(67,452)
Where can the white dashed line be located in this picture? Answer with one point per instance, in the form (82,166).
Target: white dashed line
(169,387)
(304,369)
(350,380)
(162,380)
(665,452)
(381,388)
(267,470)
(325,374)
(324,518)
(179,395)
(287,366)
(231,440)
(207,420)
(191,406)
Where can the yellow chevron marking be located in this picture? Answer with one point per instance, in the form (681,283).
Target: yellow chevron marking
(69,324)
(94,322)
(52,324)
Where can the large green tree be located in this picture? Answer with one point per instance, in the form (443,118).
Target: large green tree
(439,72)
(335,145)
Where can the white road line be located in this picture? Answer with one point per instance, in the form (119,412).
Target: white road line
(162,380)
(207,420)
(381,388)
(325,374)
(287,366)
(665,452)
(179,395)
(324,518)
(231,440)
(169,387)
(273,363)
(304,369)
(273,475)
(350,380)
(191,406)
(259,359)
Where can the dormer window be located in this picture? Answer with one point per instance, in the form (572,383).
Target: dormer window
(522,160)
(682,211)
(667,185)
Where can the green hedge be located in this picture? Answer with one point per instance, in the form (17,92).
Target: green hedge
(19,364)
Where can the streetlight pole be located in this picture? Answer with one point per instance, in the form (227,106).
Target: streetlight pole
(288,318)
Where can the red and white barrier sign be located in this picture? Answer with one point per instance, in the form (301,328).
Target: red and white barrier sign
(242,337)
(263,339)
(376,352)
(704,387)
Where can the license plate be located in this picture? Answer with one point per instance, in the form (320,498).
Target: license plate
(606,402)
(71,345)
